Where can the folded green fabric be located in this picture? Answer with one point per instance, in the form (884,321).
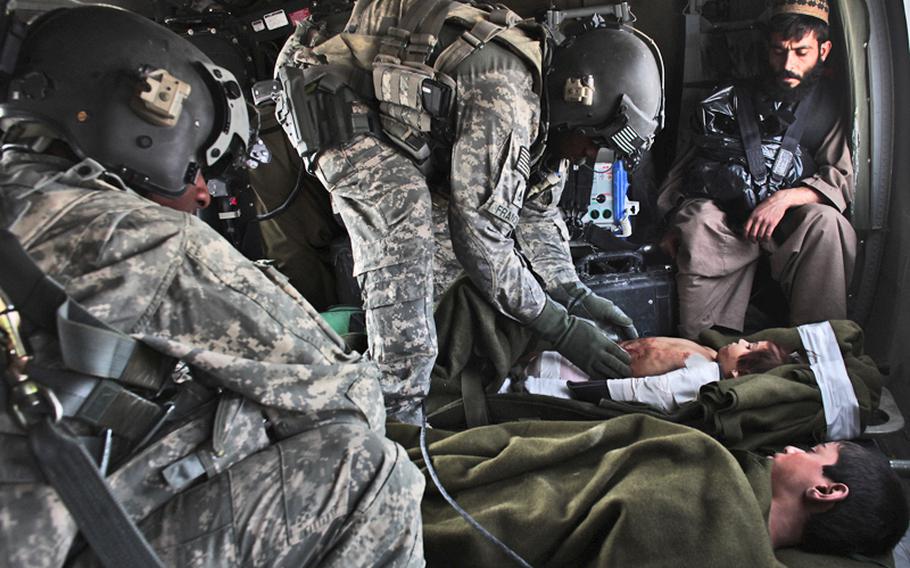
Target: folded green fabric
(633,491)
(477,345)
(784,405)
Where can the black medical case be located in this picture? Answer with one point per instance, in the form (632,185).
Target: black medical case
(646,293)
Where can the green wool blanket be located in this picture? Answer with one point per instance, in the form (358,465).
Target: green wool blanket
(633,491)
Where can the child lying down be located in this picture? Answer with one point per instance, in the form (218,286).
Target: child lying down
(666,371)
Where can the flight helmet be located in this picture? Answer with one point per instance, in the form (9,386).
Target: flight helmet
(130,94)
(606,81)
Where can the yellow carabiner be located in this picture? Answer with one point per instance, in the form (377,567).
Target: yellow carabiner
(9,328)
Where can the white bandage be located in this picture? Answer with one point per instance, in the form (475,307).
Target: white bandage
(838,398)
(669,391)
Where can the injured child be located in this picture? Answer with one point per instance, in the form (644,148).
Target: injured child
(638,491)
(666,371)
(831,393)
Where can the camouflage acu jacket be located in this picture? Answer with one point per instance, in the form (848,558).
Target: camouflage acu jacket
(166,278)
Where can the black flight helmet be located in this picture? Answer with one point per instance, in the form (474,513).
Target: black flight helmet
(606,83)
(130,94)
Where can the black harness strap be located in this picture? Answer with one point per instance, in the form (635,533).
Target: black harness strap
(784,159)
(751,136)
(65,463)
(748,130)
(70,470)
(425,31)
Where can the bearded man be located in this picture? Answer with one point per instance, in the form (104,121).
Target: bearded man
(770,174)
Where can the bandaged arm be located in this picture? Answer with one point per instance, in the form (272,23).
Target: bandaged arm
(668,391)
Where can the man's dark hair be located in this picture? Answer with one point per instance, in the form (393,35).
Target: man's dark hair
(762,360)
(796,26)
(872,518)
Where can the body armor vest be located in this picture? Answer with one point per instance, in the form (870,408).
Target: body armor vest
(409,74)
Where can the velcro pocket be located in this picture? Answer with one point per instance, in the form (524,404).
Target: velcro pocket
(400,84)
(414,253)
(397,284)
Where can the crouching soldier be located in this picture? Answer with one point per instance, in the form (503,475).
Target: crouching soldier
(265,443)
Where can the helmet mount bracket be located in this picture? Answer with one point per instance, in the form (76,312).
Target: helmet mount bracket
(580,90)
(159,99)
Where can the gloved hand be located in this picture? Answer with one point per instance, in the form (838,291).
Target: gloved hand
(581,342)
(581,301)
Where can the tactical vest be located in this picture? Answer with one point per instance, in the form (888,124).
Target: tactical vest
(409,75)
(823,117)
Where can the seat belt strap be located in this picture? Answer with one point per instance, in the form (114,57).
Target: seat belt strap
(91,347)
(748,130)
(101,403)
(787,152)
(783,161)
(64,461)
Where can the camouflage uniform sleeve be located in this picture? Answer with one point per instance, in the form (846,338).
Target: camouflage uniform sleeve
(496,113)
(544,237)
(290,47)
(171,280)
(222,314)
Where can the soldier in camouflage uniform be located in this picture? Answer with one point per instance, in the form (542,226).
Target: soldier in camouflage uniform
(296,470)
(483,168)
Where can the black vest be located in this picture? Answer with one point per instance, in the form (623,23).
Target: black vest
(821,119)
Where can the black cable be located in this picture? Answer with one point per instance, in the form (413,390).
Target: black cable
(424,451)
(292,195)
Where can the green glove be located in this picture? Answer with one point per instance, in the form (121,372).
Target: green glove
(581,301)
(581,342)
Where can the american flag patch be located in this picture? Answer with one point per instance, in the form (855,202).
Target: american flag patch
(523,163)
(627,140)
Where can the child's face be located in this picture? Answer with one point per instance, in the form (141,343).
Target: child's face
(728,355)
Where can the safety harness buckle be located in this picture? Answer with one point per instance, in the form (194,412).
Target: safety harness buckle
(29,402)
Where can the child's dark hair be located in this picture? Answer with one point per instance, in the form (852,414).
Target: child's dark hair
(872,518)
(762,360)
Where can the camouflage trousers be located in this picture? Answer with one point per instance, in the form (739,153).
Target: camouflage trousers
(388,217)
(385,203)
(338,495)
